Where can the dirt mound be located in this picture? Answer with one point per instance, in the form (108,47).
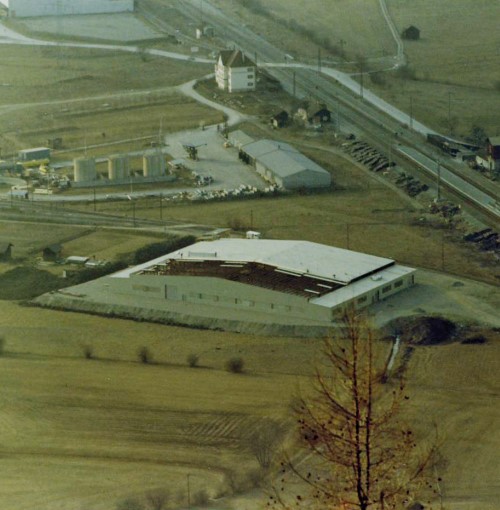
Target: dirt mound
(422,330)
(27,282)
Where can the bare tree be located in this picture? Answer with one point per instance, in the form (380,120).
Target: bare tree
(265,442)
(363,456)
(157,500)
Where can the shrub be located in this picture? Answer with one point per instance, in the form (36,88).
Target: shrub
(88,352)
(200,498)
(154,250)
(157,500)
(144,355)
(130,504)
(192,360)
(406,73)
(2,345)
(92,273)
(235,365)
(237,223)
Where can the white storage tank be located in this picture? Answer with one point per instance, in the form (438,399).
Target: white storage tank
(118,167)
(153,164)
(84,169)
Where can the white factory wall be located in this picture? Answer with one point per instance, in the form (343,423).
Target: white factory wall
(27,8)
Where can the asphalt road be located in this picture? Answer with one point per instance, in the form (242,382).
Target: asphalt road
(359,106)
(361,109)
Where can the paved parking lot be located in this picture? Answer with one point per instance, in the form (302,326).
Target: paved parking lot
(215,160)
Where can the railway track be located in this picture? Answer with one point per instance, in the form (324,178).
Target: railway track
(54,212)
(381,129)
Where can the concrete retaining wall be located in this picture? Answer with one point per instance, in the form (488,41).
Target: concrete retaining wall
(60,300)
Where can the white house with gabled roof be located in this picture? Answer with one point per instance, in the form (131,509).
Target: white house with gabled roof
(235,72)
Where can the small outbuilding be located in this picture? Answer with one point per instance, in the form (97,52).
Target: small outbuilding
(280,119)
(5,252)
(493,150)
(34,154)
(52,252)
(239,138)
(322,116)
(411,33)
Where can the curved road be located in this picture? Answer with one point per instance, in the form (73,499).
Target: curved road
(252,42)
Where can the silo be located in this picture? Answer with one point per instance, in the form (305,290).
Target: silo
(153,164)
(84,169)
(118,167)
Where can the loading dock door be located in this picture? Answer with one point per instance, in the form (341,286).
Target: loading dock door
(171,292)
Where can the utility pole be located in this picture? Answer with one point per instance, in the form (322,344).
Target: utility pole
(449,112)
(319,60)
(94,201)
(438,180)
(133,212)
(442,250)
(390,152)
(411,111)
(161,206)
(361,84)
(342,44)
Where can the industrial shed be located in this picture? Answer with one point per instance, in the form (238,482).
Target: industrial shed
(282,164)
(239,138)
(231,282)
(34,8)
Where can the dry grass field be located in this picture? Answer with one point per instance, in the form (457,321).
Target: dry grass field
(92,97)
(29,238)
(87,433)
(457,54)
(456,63)
(365,34)
(105,243)
(84,434)
(105,429)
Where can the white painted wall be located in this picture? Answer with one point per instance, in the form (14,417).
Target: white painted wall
(27,8)
(235,79)
(241,78)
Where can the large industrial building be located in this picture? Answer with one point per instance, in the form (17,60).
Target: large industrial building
(35,8)
(231,281)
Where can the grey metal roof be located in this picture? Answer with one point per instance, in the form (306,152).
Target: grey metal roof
(281,158)
(240,138)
